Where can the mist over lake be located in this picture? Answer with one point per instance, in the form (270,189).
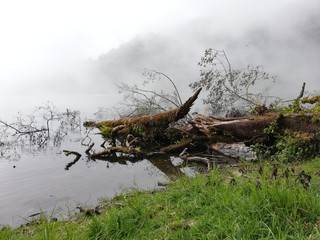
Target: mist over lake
(35,181)
(78,60)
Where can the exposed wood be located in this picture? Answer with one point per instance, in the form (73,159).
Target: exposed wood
(252,129)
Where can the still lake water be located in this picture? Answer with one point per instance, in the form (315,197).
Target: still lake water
(38,181)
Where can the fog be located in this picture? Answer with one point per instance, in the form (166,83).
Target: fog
(74,53)
(88,47)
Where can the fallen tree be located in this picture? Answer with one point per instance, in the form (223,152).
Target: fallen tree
(202,138)
(205,138)
(149,131)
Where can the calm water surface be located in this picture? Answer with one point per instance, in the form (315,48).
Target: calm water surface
(38,181)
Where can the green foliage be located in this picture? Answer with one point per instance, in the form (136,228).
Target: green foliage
(307,105)
(294,107)
(138,130)
(288,146)
(315,108)
(315,119)
(106,131)
(272,129)
(229,88)
(294,146)
(176,137)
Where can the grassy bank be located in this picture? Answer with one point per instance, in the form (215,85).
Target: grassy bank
(253,203)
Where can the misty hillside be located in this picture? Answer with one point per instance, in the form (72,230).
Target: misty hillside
(161,53)
(288,48)
(286,43)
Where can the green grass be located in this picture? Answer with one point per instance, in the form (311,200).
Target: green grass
(44,229)
(254,206)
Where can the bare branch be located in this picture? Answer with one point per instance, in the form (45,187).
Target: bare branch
(174,85)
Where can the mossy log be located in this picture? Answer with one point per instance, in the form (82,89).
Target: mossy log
(160,119)
(311,100)
(147,127)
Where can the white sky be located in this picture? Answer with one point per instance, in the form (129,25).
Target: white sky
(36,34)
(40,36)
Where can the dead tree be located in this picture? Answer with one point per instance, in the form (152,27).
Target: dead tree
(149,129)
(252,129)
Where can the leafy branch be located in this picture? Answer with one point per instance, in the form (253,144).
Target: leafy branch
(229,88)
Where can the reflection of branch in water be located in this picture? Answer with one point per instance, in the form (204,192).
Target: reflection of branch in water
(216,157)
(108,156)
(86,137)
(23,132)
(111,151)
(89,149)
(70,164)
(157,159)
(167,167)
(29,133)
(160,162)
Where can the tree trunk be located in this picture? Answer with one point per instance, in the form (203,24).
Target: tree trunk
(252,129)
(149,128)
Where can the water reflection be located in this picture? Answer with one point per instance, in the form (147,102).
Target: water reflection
(36,175)
(38,181)
(36,131)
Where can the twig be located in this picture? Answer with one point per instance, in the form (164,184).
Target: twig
(89,149)
(174,85)
(22,132)
(302,90)
(87,136)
